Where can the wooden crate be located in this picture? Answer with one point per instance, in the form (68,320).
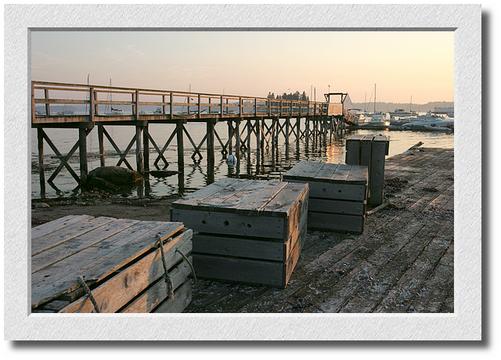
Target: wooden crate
(337,194)
(120,261)
(370,151)
(248,231)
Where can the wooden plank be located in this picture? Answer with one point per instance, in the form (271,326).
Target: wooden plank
(336,206)
(365,150)
(117,291)
(98,261)
(353,150)
(79,243)
(228,223)
(158,292)
(182,298)
(67,233)
(376,187)
(240,270)
(238,247)
(52,226)
(336,191)
(335,222)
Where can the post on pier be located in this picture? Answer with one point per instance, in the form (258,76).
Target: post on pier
(248,145)
(180,156)
(82,150)
(287,134)
(210,151)
(258,145)
(230,136)
(146,158)
(41,171)
(273,145)
(237,145)
(298,135)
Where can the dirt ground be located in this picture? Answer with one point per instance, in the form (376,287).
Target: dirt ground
(43,211)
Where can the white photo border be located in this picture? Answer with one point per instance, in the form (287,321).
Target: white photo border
(463,324)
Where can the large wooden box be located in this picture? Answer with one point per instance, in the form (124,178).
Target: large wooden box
(338,194)
(119,260)
(370,151)
(248,231)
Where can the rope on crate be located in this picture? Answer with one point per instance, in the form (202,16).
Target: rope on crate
(89,293)
(167,278)
(189,263)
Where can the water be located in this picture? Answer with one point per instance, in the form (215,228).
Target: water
(196,173)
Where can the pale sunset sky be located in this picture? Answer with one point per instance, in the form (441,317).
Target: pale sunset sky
(402,63)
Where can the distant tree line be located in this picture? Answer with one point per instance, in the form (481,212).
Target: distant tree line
(291,96)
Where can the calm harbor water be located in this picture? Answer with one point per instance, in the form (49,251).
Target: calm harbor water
(196,173)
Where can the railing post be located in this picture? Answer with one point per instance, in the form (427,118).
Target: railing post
(171,106)
(240,106)
(221,106)
(255,107)
(136,105)
(199,106)
(92,104)
(47,105)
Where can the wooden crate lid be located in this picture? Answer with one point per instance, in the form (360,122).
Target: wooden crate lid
(245,196)
(334,173)
(82,245)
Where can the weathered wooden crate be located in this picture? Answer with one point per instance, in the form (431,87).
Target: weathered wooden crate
(81,263)
(370,151)
(246,230)
(337,194)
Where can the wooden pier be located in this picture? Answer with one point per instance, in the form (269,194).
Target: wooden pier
(253,125)
(403,261)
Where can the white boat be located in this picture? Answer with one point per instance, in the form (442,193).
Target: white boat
(430,121)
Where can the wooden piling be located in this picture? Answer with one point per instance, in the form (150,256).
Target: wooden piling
(230,137)
(237,143)
(180,156)
(210,151)
(287,133)
(258,145)
(273,147)
(298,135)
(139,148)
(249,146)
(82,149)
(41,170)
(100,139)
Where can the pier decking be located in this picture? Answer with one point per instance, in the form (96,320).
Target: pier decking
(253,124)
(403,262)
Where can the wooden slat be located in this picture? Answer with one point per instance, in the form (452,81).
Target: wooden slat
(182,297)
(336,206)
(241,270)
(52,226)
(79,243)
(158,292)
(238,247)
(335,222)
(117,291)
(230,223)
(66,233)
(336,191)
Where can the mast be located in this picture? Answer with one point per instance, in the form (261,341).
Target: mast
(374,98)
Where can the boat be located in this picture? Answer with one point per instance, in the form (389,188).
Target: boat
(430,121)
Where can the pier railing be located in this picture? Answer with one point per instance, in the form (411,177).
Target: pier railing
(53,102)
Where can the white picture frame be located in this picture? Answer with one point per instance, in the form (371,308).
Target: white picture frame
(464,324)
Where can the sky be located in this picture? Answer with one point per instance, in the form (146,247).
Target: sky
(401,63)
